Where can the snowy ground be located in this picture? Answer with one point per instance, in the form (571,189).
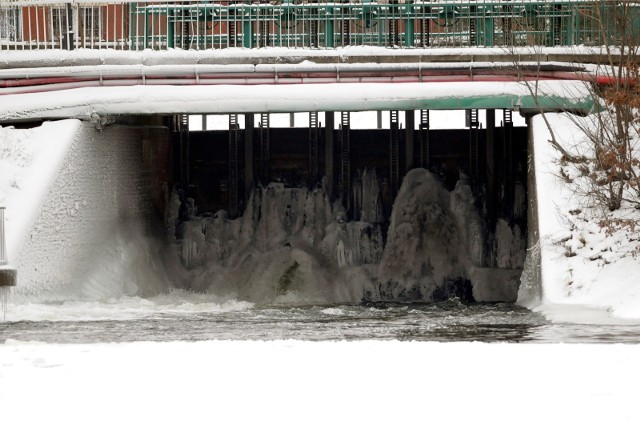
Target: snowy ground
(292,383)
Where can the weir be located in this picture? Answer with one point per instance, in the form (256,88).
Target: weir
(330,211)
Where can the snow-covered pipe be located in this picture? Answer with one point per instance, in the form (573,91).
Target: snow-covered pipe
(105,78)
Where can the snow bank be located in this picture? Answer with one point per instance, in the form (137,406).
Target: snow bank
(580,264)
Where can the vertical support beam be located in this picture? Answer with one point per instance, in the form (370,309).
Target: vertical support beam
(570,30)
(313,29)
(473,26)
(409,31)
(409,140)
(328,32)
(146,28)
(556,26)
(394,153)
(393,25)
(234,178)
(507,25)
(329,150)
(247,29)
(474,156)
(346,30)
(424,139)
(313,147)
(265,176)
(171,29)
(133,26)
(69,40)
(183,129)
(379,119)
(344,178)
(488,27)
(425,31)
(232,40)
(248,153)
(263,23)
(508,162)
(490,169)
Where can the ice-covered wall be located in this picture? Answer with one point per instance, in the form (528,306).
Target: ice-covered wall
(92,238)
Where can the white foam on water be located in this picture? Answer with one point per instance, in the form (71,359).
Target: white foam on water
(176,302)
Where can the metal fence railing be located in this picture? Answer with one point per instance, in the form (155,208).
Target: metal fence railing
(197,24)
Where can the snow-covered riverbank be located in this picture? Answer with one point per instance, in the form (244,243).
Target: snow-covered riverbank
(293,383)
(582,265)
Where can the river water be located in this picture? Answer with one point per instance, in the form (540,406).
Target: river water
(192,317)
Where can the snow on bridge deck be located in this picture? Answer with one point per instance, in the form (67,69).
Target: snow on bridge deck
(49,85)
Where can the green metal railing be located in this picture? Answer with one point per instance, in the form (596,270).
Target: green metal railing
(125,24)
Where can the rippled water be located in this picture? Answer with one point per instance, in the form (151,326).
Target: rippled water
(142,320)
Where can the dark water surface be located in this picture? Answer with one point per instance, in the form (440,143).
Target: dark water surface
(448,321)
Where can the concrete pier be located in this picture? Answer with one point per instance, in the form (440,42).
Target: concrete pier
(8,274)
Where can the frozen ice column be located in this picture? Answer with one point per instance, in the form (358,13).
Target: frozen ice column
(8,275)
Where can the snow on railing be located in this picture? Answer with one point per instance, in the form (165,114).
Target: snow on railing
(196,24)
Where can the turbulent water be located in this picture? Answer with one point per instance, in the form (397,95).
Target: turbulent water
(184,316)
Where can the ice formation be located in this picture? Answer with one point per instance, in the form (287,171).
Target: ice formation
(294,245)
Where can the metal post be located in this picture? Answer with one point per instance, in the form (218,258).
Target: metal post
(171,28)
(410,124)
(146,28)
(328,32)
(508,162)
(133,26)
(264,148)
(234,177)
(313,147)
(248,153)
(329,157)
(424,139)
(394,153)
(474,156)
(490,170)
(344,182)
(409,25)
(247,28)
(473,27)
(488,27)
(70,42)
(183,127)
